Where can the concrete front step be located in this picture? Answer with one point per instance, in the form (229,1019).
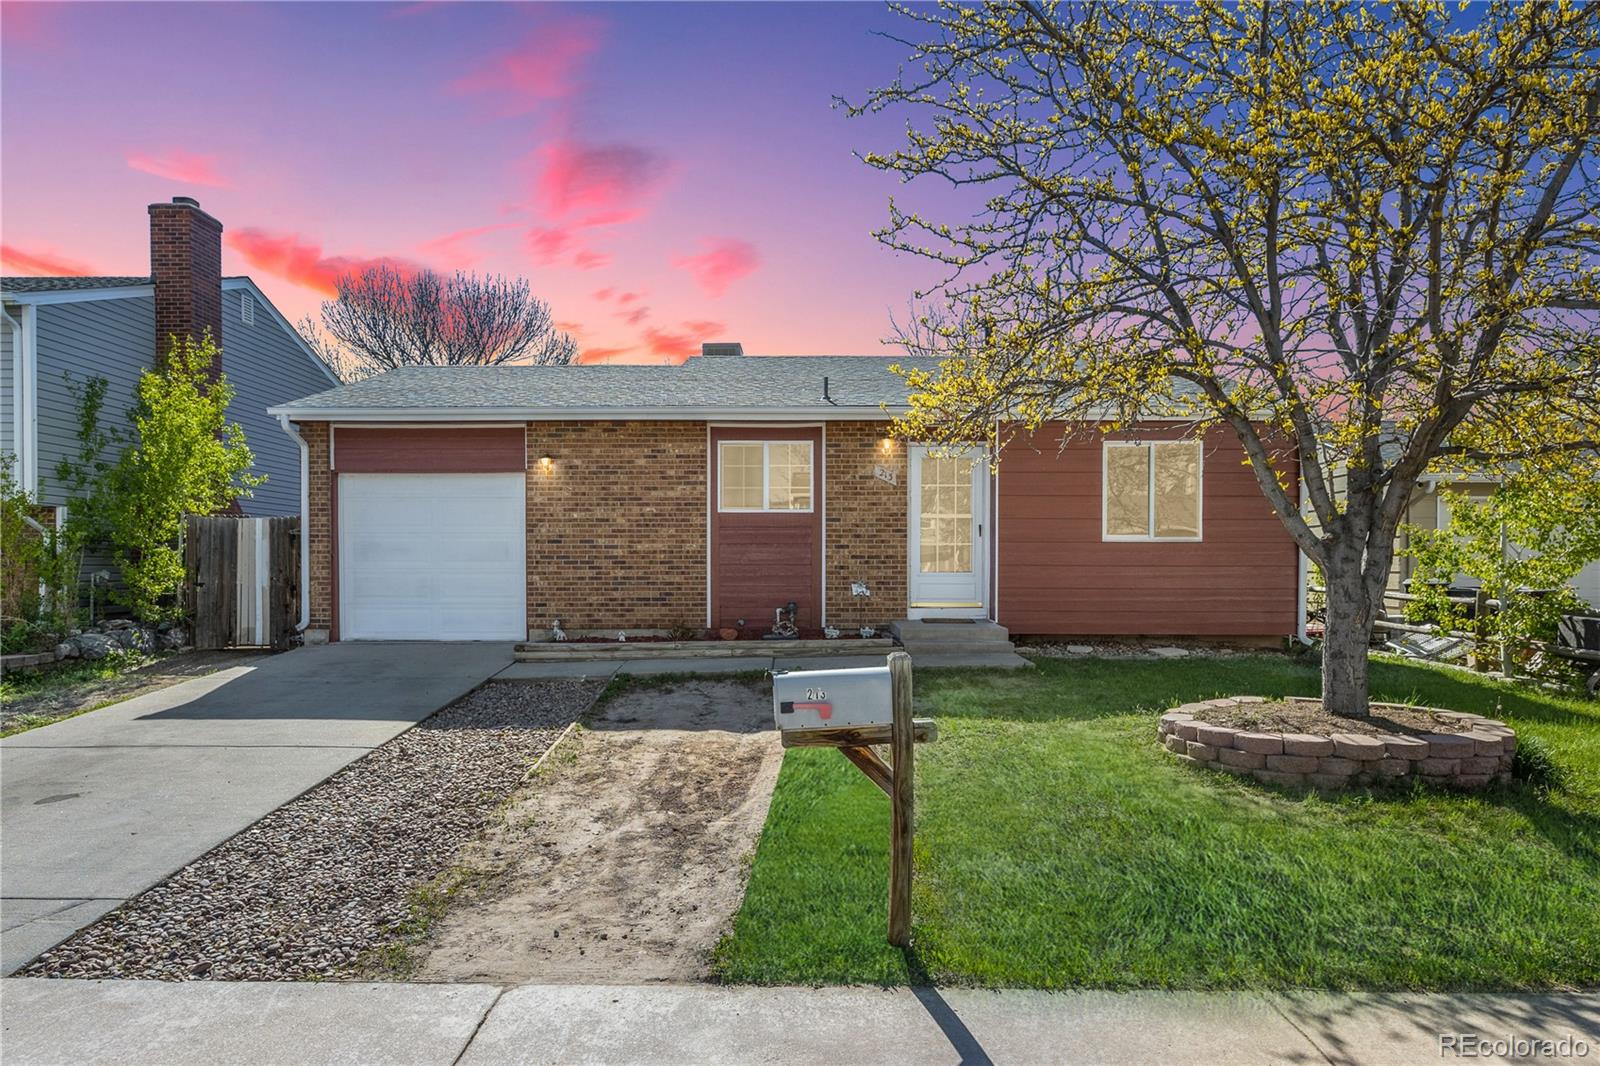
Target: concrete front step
(960,647)
(914,632)
(1003,660)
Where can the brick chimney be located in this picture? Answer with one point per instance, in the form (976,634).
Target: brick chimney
(717,351)
(186,264)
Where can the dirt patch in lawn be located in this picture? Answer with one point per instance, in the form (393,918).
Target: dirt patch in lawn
(625,858)
(1307,716)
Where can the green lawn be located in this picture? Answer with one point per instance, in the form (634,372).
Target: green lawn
(1057,846)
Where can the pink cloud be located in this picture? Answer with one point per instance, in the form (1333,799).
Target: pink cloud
(29,23)
(597,184)
(677,346)
(186,167)
(548,242)
(40,262)
(635,316)
(589,259)
(601,355)
(722,263)
(301,261)
(453,249)
(545,66)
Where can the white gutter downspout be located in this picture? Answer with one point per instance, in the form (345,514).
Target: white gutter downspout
(1303,567)
(15,443)
(305,523)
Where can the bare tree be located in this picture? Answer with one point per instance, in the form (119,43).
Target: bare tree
(384,318)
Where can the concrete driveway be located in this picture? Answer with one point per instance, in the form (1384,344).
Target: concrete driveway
(96,809)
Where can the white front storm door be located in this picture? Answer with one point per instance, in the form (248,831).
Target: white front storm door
(949,515)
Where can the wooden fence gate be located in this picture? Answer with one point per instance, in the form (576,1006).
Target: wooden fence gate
(244,580)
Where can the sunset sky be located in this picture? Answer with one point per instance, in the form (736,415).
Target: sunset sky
(663,174)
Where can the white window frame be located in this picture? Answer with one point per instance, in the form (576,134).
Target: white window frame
(1150,493)
(766,478)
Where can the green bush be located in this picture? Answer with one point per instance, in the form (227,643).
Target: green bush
(1535,764)
(19,636)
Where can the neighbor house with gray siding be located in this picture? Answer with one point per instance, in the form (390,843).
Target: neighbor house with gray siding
(61,331)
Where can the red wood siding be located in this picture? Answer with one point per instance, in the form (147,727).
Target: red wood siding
(1056,575)
(444,450)
(762,560)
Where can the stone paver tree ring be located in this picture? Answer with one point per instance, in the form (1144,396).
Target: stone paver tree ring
(1292,742)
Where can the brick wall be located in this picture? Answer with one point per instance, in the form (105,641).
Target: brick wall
(617,525)
(186,265)
(320,495)
(865,525)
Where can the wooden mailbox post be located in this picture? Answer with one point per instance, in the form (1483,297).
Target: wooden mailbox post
(896,778)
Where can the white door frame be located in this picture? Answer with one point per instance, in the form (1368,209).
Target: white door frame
(978,606)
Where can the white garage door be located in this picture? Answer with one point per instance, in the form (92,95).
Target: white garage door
(432,557)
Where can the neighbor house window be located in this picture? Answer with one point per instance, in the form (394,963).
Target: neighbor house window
(1152,491)
(772,475)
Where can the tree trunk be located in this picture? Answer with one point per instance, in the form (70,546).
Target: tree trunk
(1350,616)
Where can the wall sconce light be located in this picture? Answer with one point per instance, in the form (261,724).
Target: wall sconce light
(887,445)
(546,462)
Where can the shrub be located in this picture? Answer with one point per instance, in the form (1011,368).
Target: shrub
(1536,765)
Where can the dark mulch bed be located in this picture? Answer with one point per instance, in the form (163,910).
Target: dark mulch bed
(1285,716)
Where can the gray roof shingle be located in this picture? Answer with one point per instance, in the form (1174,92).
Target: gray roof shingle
(857,383)
(24,284)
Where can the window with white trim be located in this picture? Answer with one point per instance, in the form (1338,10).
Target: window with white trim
(1151,491)
(772,475)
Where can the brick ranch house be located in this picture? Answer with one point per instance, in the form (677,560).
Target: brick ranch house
(489,503)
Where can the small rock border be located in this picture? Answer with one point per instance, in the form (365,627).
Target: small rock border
(1469,760)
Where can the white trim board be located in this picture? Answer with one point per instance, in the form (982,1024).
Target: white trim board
(74,296)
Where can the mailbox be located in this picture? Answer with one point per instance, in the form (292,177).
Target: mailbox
(830,699)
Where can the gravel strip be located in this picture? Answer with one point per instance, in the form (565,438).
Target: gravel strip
(325,879)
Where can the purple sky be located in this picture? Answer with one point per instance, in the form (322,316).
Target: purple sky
(664,174)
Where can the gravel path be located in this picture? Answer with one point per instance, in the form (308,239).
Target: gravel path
(314,886)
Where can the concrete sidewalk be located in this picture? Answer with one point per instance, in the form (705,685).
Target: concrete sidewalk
(96,809)
(133,1022)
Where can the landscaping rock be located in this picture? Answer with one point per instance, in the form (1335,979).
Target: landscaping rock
(1260,743)
(1292,764)
(321,883)
(1450,745)
(1249,760)
(1218,736)
(65,650)
(1080,649)
(1357,747)
(92,645)
(1306,744)
(1169,653)
(1203,752)
(1282,780)
(174,638)
(1337,764)
(1405,747)
(1486,743)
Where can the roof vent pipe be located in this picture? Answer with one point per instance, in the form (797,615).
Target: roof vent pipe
(825,397)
